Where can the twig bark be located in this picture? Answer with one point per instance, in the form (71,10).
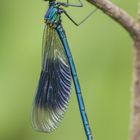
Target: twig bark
(135,105)
(133,28)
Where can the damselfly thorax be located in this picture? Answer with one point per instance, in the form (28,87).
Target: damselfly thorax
(53,15)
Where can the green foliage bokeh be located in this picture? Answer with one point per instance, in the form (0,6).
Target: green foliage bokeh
(102,53)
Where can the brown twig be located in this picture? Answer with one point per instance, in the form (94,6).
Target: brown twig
(133,28)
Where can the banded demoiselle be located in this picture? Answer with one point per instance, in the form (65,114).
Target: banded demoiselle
(58,70)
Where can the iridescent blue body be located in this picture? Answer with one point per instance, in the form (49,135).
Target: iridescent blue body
(53,92)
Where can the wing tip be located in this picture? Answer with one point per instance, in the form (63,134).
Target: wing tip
(46,120)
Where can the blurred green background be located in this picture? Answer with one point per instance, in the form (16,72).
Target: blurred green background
(102,54)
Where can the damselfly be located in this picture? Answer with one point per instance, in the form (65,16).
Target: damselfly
(58,70)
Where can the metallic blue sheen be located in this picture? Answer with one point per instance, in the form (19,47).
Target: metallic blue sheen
(76,82)
(48,12)
(53,22)
(81,101)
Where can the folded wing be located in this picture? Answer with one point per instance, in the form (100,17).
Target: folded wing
(53,91)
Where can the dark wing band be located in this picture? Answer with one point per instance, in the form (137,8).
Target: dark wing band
(53,92)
